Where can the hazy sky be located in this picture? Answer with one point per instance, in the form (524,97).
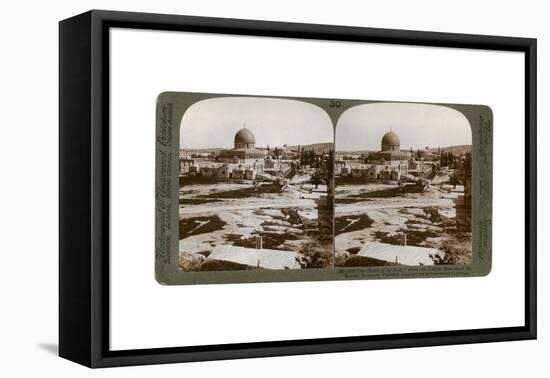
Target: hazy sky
(213,123)
(417,125)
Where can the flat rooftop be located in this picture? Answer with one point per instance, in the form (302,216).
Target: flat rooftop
(405,255)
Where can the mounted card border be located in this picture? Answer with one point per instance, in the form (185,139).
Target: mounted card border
(167,271)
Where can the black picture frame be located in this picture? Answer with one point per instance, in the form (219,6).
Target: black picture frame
(84,188)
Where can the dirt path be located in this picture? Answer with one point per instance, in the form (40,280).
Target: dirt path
(188,211)
(361,207)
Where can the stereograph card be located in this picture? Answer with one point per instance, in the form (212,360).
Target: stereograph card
(269,189)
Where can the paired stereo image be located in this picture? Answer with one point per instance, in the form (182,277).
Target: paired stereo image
(274,183)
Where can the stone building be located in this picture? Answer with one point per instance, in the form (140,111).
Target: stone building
(376,172)
(390,151)
(232,170)
(186,164)
(244,149)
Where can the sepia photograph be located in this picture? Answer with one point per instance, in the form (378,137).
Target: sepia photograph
(272,189)
(255,185)
(403,186)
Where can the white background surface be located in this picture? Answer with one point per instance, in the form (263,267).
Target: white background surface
(29,113)
(145,63)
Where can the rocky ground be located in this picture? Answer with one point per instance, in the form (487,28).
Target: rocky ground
(385,212)
(229,213)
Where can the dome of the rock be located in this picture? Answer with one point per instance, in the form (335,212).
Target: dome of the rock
(390,142)
(244,138)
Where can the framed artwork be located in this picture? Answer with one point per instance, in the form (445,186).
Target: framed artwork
(236,188)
